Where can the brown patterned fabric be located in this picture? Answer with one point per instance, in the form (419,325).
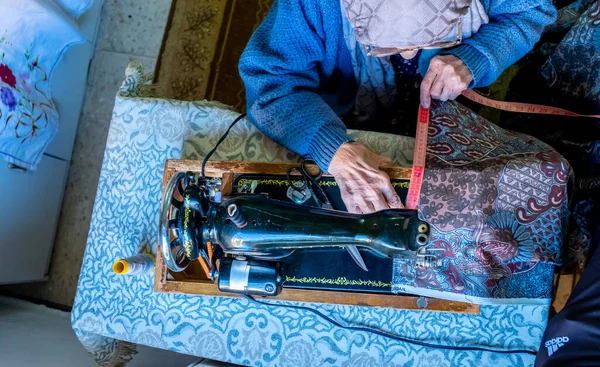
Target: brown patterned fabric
(202,46)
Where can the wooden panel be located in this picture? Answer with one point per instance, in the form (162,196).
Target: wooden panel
(227,183)
(227,171)
(329,297)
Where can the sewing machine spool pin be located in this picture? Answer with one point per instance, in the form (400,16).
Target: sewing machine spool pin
(236,215)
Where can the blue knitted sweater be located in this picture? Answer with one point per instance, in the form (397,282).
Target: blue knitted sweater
(299,78)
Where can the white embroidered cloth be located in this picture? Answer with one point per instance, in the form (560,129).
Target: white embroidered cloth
(34,34)
(74,7)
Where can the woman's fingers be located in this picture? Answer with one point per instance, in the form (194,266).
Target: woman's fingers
(437,87)
(446,78)
(356,209)
(364,187)
(386,161)
(370,208)
(361,206)
(348,199)
(426,85)
(392,199)
(447,93)
(379,203)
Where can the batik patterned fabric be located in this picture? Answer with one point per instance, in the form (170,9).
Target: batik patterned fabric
(573,69)
(564,71)
(496,204)
(572,72)
(112,311)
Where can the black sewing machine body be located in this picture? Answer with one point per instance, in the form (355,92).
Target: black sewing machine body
(248,237)
(271,229)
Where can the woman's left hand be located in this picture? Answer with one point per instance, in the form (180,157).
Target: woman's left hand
(446,78)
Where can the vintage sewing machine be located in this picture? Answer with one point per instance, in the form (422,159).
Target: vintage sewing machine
(250,242)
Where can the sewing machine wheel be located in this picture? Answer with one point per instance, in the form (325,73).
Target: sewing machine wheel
(181,225)
(170,242)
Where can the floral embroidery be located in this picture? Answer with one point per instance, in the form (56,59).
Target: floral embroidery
(8,98)
(25,84)
(33,104)
(7,76)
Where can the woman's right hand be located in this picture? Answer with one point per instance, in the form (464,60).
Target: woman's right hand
(364,187)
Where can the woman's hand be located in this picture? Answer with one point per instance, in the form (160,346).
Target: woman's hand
(364,187)
(445,79)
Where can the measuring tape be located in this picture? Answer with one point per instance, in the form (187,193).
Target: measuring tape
(521,107)
(416,177)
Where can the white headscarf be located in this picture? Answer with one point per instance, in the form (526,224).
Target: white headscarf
(375,75)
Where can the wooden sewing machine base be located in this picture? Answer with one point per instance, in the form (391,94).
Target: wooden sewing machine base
(195,281)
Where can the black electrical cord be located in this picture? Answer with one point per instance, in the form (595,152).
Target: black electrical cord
(219,142)
(390,335)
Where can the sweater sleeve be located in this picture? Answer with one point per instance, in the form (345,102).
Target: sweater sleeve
(514,28)
(282,67)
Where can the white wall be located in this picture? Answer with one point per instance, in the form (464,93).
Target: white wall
(34,335)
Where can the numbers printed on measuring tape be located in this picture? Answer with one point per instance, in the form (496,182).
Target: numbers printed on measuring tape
(416,178)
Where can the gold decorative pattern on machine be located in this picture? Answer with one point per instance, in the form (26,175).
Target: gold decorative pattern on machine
(187,242)
(402,185)
(338,281)
(274,182)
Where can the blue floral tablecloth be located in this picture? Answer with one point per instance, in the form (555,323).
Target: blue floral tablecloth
(111,312)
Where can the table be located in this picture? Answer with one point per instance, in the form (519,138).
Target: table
(112,313)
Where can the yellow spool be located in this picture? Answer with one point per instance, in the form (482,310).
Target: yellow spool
(121,267)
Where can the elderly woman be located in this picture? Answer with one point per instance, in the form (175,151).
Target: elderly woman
(314,67)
